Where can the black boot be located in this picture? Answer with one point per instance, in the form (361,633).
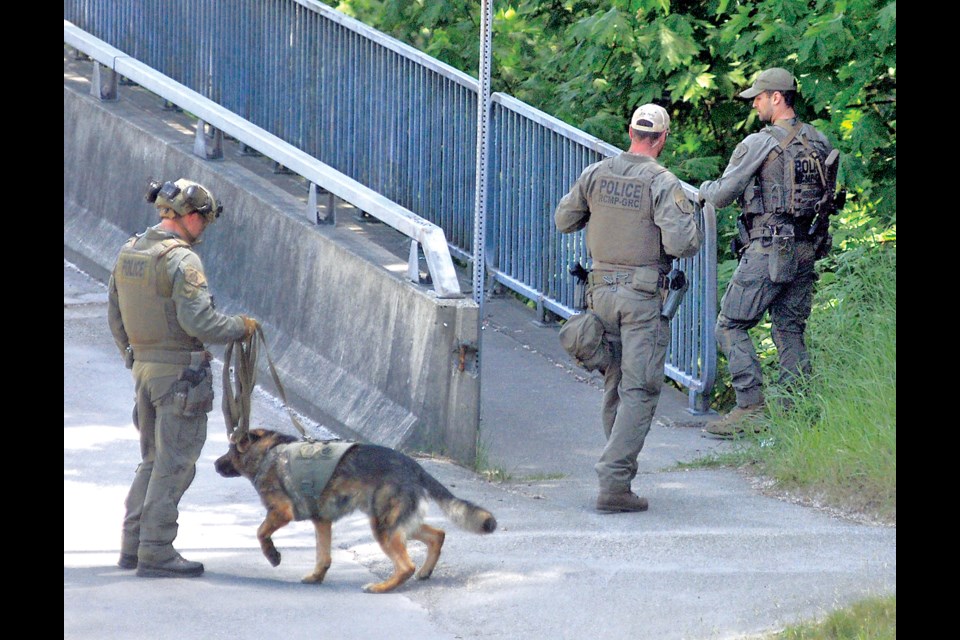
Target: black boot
(127,561)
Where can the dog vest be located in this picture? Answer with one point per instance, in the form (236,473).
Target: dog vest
(305,469)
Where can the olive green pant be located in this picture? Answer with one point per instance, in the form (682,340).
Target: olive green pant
(170,445)
(633,382)
(750,294)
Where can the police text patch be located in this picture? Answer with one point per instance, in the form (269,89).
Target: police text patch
(133,268)
(623,193)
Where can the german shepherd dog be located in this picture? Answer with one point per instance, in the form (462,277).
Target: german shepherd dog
(390,487)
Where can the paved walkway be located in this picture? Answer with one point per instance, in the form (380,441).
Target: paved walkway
(712,558)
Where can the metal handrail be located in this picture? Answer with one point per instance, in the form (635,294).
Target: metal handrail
(404,125)
(428,235)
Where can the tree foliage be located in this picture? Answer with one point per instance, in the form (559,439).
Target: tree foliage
(591,62)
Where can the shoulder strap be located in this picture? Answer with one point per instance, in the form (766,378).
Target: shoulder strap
(170,244)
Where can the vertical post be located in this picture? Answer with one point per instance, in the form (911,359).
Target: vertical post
(480,202)
(103,85)
(483,117)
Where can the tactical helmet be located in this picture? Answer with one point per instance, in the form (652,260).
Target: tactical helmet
(184,197)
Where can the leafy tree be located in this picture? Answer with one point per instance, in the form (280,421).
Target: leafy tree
(590,62)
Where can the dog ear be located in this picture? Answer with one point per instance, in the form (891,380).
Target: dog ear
(243,443)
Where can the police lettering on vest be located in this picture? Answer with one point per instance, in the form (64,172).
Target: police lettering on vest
(623,193)
(797,165)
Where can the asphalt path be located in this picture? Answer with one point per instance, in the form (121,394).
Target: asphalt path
(714,557)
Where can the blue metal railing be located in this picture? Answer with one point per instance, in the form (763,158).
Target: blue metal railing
(404,125)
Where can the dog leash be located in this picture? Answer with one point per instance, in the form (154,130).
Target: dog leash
(236,406)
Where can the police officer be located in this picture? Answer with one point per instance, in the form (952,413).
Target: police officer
(161,314)
(776,176)
(638,220)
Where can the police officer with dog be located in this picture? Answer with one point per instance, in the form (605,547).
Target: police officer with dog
(637,220)
(161,315)
(784,179)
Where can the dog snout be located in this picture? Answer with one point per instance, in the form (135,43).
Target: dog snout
(225,467)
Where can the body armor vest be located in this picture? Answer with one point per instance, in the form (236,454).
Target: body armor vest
(305,468)
(145,295)
(621,229)
(792,179)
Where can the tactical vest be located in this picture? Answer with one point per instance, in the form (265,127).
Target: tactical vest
(305,468)
(145,293)
(792,179)
(621,230)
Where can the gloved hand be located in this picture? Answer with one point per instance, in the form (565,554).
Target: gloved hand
(250,325)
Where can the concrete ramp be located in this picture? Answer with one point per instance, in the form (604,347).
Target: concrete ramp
(357,346)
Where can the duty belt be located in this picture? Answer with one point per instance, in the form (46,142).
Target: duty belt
(602,277)
(162,356)
(800,233)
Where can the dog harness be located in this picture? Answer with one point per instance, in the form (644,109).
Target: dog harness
(305,469)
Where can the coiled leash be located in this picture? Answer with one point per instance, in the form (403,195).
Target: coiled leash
(236,406)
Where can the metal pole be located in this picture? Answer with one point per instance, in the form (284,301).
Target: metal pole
(480,201)
(483,117)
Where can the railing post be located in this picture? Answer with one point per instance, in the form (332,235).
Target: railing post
(208,147)
(103,85)
(330,217)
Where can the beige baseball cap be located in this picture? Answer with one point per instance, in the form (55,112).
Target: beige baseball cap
(650,117)
(773,79)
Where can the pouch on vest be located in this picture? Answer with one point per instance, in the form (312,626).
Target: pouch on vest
(804,174)
(193,392)
(582,337)
(783,255)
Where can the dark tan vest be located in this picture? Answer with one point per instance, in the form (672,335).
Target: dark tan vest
(791,179)
(621,230)
(145,294)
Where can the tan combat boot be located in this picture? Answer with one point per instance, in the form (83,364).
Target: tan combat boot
(620,501)
(737,421)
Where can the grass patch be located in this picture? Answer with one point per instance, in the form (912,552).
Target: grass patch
(838,440)
(497,474)
(542,477)
(871,619)
(483,467)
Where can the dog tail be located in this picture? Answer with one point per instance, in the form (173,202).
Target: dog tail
(462,513)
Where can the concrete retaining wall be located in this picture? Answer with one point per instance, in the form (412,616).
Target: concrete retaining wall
(357,346)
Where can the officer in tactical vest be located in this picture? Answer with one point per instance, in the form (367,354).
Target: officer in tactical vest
(161,314)
(638,220)
(779,177)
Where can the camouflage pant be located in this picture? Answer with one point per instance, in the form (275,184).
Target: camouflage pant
(170,445)
(750,294)
(632,384)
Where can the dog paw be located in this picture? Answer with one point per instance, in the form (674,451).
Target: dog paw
(273,556)
(313,578)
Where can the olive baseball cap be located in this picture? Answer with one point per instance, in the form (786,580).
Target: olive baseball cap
(774,79)
(650,117)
